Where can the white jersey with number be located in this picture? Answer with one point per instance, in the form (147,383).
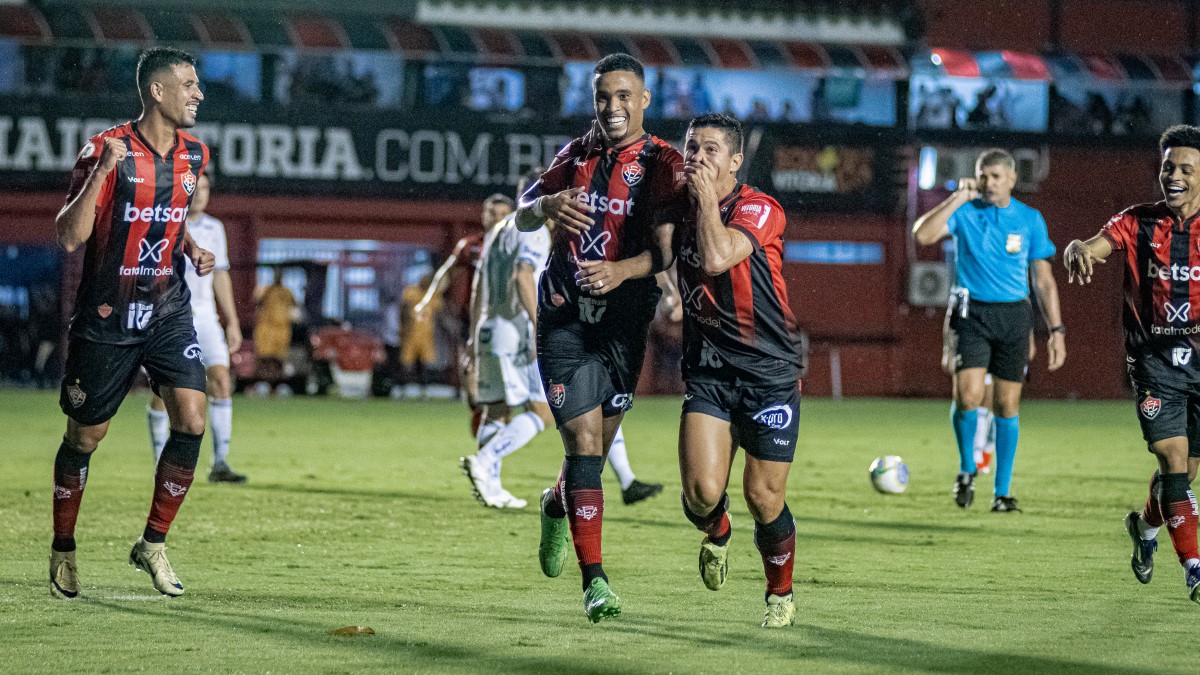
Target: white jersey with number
(209,234)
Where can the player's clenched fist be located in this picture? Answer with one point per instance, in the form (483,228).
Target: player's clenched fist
(204,260)
(565,210)
(113,153)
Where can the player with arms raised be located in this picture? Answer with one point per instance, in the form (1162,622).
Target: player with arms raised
(1162,319)
(606,196)
(129,196)
(741,361)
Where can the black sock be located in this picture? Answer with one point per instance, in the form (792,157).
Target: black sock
(708,522)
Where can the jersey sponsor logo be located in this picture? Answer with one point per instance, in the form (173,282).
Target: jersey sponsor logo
(558,394)
(1149,407)
(193,351)
(1181,356)
(148,253)
(689,255)
(632,173)
(135,179)
(761,211)
(175,489)
(154,251)
(587,512)
(778,416)
(138,316)
(602,204)
(1013,243)
(189,158)
(76,395)
(188,180)
(1175,272)
(622,402)
(781,441)
(1177,312)
(597,243)
(104,311)
(156,214)
(591,310)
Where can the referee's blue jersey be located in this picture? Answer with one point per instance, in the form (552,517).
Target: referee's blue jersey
(994,246)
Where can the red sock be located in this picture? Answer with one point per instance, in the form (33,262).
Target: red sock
(715,524)
(776,543)
(585,507)
(172,479)
(1179,506)
(1152,514)
(70,477)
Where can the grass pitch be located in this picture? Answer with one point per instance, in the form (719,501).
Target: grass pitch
(356,514)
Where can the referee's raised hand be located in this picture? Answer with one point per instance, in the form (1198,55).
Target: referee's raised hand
(969,188)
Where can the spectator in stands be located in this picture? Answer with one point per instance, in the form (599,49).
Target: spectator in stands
(273,329)
(418,350)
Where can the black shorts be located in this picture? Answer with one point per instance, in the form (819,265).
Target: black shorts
(585,365)
(98,375)
(765,418)
(995,336)
(1168,404)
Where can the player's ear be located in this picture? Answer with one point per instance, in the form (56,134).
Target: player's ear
(645,97)
(156,91)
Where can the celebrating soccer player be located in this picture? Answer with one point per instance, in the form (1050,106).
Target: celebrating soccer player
(998,242)
(210,294)
(605,196)
(741,361)
(129,196)
(1162,319)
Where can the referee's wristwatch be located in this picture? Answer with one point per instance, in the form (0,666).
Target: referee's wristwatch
(1059,329)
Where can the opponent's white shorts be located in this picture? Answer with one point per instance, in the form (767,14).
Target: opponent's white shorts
(211,337)
(504,368)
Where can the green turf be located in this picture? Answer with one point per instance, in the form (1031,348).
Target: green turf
(356,514)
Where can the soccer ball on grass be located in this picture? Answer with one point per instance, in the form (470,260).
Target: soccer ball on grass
(889,474)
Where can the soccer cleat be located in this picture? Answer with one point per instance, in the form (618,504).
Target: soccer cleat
(781,611)
(599,602)
(964,489)
(223,473)
(637,491)
(1192,579)
(152,559)
(476,472)
(64,576)
(503,499)
(714,564)
(983,460)
(1005,505)
(1142,560)
(552,549)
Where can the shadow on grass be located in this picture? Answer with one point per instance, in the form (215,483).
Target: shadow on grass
(303,490)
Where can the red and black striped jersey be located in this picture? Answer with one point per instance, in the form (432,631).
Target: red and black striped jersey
(738,324)
(631,189)
(467,252)
(134,264)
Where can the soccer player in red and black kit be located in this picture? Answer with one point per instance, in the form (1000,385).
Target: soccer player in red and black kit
(1161,245)
(741,361)
(128,202)
(606,196)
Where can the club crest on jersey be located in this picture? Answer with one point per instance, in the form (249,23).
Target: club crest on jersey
(558,394)
(76,395)
(778,416)
(189,181)
(632,173)
(1149,407)
(104,310)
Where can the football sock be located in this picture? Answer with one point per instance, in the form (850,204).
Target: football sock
(585,512)
(555,508)
(222,428)
(618,459)
(1007,431)
(512,437)
(964,424)
(157,421)
(982,428)
(486,431)
(70,477)
(1179,506)
(776,542)
(1152,515)
(715,524)
(172,478)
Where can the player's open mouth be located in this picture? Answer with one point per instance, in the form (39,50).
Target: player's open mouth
(1175,190)
(192,107)
(613,122)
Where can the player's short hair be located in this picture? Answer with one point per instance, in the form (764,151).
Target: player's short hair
(498,198)
(727,124)
(532,176)
(994,156)
(615,62)
(1180,136)
(157,59)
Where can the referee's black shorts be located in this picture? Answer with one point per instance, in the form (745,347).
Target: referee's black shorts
(995,336)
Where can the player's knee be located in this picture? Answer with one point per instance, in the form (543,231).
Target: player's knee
(1007,407)
(85,439)
(701,496)
(190,422)
(764,501)
(219,384)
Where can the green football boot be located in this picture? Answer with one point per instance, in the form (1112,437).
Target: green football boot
(781,611)
(552,549)
(599,601)
(714,564)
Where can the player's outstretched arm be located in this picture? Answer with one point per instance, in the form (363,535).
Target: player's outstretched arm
(933,225)
(75,221)
(561,210)
(1047,295)
(441,278)
(1080,257)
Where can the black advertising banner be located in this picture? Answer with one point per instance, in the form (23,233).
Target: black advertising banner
(388,154)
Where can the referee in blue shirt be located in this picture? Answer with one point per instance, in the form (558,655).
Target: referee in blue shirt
(997,240)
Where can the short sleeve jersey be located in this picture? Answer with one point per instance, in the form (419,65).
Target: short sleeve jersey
(631,188)
(209,234)
(738,324)
(134,265)
(505,247)
(1162,276)
(994,246)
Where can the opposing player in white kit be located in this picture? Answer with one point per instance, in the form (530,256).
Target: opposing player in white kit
(211,295)
(503,362)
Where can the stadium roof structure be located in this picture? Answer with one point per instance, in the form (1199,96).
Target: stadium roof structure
(1164,70)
